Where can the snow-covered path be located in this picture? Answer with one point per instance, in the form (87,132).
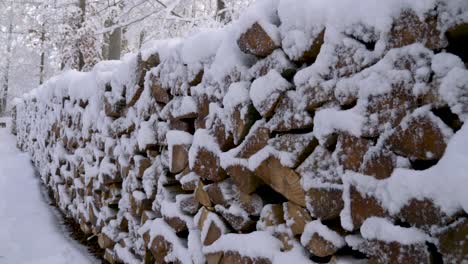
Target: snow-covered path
(29,231)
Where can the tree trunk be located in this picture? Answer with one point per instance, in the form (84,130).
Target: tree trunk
(82,6)
(141,39)
(194,8)
(42,63)
(4,90)
(115,44)
(221,13)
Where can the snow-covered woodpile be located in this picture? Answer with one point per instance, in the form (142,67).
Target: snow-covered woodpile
(306,131)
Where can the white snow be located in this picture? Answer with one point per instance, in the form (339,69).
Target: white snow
(453,89)
(261,245)
(316,227)
(238,93)
(145,135)
(301,21)
(201,46)
(267,86)
(442,63)
(383,230)
(29,230)
(331,120)
(179,106)
(277,61)
(177,137)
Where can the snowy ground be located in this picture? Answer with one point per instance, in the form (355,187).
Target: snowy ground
(29,230)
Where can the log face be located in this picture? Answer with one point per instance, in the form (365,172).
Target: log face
(298,146)
(224,138)
(421,139)
(216,194)
(423,214)
(116,109)
(207,166)
(135,95)
(141,164)
(189,204)
(452,241)
(176,223)
(237,220)
(311,54)
(160,248)
(316,96)
(408,29)
(389,108)
(282,179)
(288,116)
(242,122)
(256,139)
(272,215)
(245,179)
(296,215)
(351,150)
(214,258)
(209,227)
(267,107)
(379,164)
(394,252)
(179,158)
(202,196)
(325,203)
(202,102)
(321,247)
(363,207)
(105,241)
(110,256)
(256,41)
(234,257)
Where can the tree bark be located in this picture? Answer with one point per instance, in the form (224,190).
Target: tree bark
(113,41)
(4,90)
(42,62)
(115,44)
(221,13)
(141,39)
(82,6)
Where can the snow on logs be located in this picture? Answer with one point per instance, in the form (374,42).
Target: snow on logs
(283,137)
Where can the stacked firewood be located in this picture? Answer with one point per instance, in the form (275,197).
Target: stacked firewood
(259,166)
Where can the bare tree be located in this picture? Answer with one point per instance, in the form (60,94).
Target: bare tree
(9,43)
(82,6)
(221,12)
(42,62)
(115,44)
(47,36)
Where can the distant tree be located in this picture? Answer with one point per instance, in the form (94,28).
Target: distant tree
(221,11)
(7,65)
(48,36)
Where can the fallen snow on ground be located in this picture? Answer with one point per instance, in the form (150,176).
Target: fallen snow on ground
(29,232)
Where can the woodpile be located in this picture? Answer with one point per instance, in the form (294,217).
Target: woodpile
(180,169)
